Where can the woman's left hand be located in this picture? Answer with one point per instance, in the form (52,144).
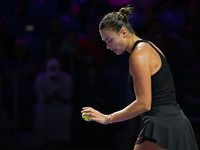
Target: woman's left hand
(96,115)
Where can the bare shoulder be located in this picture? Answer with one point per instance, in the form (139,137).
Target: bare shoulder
(140,56)
(140,50)
(145,56)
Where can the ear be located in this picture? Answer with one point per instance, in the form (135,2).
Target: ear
(124,32)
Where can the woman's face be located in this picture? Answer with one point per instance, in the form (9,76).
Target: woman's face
(116,42)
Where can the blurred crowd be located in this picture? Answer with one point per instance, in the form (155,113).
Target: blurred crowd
(53,62)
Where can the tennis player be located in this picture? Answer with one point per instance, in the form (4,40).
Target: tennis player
(164,125)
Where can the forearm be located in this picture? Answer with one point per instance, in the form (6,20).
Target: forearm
(131,111)
(134,109)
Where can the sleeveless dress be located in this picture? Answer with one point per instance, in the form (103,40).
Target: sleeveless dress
(165,124)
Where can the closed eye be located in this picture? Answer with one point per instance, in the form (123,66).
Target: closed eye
(110,41)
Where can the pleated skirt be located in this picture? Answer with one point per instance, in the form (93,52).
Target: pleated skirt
(168,127)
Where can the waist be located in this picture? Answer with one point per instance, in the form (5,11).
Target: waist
(164,111)
(160,100)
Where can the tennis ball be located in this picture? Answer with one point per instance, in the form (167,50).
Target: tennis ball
(86,117)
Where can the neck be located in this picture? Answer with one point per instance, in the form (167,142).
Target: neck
(131,41)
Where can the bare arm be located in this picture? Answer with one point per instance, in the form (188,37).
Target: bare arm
(140,70)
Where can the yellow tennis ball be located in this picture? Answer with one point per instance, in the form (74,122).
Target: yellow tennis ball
(86,117)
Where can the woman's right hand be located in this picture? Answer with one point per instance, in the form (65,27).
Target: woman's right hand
(96,115)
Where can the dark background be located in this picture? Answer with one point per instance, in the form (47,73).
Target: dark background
(174,26)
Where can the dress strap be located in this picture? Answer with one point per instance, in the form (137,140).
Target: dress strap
(142,40)
(136,43)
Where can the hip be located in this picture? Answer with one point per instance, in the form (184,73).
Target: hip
(164,112)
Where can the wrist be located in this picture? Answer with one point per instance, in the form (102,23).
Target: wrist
(108,119)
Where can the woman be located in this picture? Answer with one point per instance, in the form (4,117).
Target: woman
(164,125)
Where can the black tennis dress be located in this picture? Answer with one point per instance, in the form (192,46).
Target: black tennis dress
(165,123)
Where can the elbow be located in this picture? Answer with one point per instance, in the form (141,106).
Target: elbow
(147,108)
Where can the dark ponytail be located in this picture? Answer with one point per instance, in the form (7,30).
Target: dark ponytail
(116,20)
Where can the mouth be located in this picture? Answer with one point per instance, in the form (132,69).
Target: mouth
(114,50)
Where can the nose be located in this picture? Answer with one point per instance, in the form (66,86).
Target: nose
(108,47)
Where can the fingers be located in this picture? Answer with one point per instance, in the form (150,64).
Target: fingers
(88,111)
(96,115)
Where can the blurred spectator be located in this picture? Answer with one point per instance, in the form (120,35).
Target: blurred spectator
(53,109)
(6,99)
(93,43)
(92,9)
(173,19)
(18,76)
(71,19)
(91,90)
(23,66)
(18,92)
(191,30)
(91,79)
(71,54)
(147,16)
(50,47)
(5,41)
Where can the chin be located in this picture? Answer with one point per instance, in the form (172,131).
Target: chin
(118,53)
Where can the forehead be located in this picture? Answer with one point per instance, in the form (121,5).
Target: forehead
(107,33)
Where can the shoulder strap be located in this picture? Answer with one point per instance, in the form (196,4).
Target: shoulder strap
(136,43)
